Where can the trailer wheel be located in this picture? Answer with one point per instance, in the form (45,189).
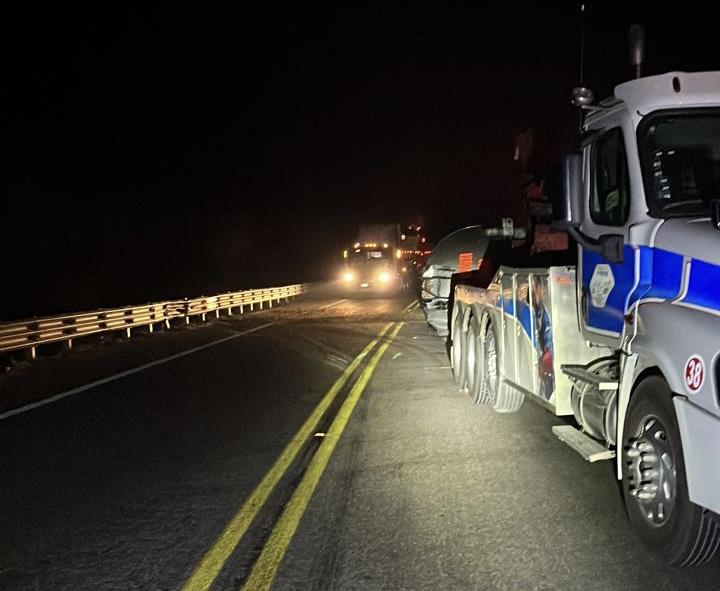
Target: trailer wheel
(457,347)
(490,366)
(654,481)
(473,360)
(493,390)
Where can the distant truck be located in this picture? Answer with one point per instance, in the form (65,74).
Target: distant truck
(415,248)
(626,341)
(374,260)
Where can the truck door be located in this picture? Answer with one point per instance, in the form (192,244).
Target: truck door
(605,285)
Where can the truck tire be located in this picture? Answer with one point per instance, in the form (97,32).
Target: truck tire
(491,366)
(457,347)
(654,482)
(473,359)
(493,390)
(508,399)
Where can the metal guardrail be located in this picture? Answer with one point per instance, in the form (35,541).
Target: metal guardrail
(29,334)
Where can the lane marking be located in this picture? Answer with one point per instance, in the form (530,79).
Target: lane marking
(126,373)
(406,309)
(214,559)
(333,304)
(265,569)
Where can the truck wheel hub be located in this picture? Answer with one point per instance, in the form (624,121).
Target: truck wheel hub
(652,475)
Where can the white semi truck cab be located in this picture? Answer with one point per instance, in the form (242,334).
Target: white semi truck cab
(628,342)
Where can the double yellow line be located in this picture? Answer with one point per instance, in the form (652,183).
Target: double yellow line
(265,568)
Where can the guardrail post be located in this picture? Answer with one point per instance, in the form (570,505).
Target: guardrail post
(270,303)
(150,327)
(241,309)
(217,313)
(33,353)
(68,344)
(167,323)
(127,332)
(230,311)
(261,304)
(186,311)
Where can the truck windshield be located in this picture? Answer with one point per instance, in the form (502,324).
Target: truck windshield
(680,155)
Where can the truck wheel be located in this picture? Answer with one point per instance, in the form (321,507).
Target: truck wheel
(493,391)
(490,367)
(654,482)
(473,361)
(457,348)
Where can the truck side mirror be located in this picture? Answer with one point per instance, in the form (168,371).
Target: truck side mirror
(573,194)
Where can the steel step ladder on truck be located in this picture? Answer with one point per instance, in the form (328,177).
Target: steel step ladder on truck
(627,341)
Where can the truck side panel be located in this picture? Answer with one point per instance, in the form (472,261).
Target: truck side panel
(538,328)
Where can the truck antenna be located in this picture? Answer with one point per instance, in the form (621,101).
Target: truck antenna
(636,42)
(581,95)
(582,43)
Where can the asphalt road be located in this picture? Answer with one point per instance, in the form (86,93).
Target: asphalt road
(130,483)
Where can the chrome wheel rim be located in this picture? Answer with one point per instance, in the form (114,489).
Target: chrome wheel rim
(456,348)
(490,363)
(470,374)
(652,473)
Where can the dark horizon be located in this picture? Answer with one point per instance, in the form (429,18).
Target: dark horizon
(156,156)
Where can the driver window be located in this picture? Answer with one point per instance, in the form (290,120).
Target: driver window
(610,198)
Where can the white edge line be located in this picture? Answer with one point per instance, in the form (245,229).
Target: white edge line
(16,411)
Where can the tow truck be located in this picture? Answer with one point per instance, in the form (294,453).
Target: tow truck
(626,343)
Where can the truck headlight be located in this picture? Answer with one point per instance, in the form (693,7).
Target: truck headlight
(384,277)
(347,277)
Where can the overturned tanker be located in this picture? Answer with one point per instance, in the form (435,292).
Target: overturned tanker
(470,255)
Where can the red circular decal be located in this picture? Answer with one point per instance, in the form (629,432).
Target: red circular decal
(694,373)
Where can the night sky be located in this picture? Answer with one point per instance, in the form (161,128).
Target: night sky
(168,154)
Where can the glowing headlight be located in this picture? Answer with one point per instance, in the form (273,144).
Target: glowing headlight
(348,276)
(384,277)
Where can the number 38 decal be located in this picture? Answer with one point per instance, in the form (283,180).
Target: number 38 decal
(694,373)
